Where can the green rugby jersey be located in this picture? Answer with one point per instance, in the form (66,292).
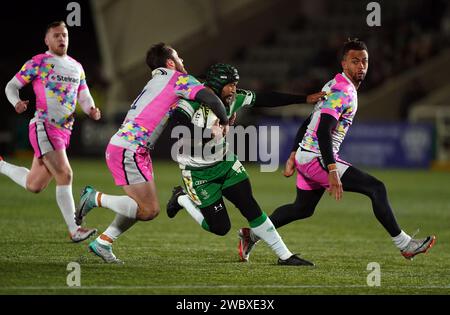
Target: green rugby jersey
(207,153)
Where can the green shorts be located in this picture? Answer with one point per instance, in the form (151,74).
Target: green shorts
(204,186)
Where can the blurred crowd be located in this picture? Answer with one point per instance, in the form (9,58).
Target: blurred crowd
(411,33)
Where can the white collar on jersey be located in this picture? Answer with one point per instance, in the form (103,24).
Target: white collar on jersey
(161,71)
(48,52)
(347,78)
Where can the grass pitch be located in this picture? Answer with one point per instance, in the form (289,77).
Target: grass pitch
(176,256)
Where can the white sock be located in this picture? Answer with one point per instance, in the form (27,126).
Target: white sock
(123,205)
(16,173)
(267,232)
(401,240)
(102,241)
(191,208)
(66,204)
(118,226)
(253,236)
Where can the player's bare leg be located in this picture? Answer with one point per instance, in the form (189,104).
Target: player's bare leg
(141,203)
(39,176)
(58,165)
(147,199)
(34,180)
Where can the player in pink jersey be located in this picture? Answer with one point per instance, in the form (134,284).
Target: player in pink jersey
(127,154)
(319,168)
(58,82)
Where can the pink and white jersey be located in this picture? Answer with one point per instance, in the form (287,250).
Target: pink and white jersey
(57,82)
(150,111)
(341,103)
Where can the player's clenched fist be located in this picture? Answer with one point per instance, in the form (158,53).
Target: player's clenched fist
(95,113)
(21,106)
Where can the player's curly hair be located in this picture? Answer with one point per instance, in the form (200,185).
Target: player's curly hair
(353,44)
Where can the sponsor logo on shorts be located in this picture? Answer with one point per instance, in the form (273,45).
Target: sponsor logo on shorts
(205,194)
(218,208)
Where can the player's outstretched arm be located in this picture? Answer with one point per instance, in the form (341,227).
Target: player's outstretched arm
(315,97)
(275,99)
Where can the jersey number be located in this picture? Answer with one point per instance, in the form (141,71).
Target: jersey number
(133,106)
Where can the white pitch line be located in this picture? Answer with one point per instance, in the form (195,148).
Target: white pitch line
(222,287)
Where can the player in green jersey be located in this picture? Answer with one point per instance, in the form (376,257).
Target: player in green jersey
(210,171)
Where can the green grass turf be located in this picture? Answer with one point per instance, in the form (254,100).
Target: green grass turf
(177,257)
